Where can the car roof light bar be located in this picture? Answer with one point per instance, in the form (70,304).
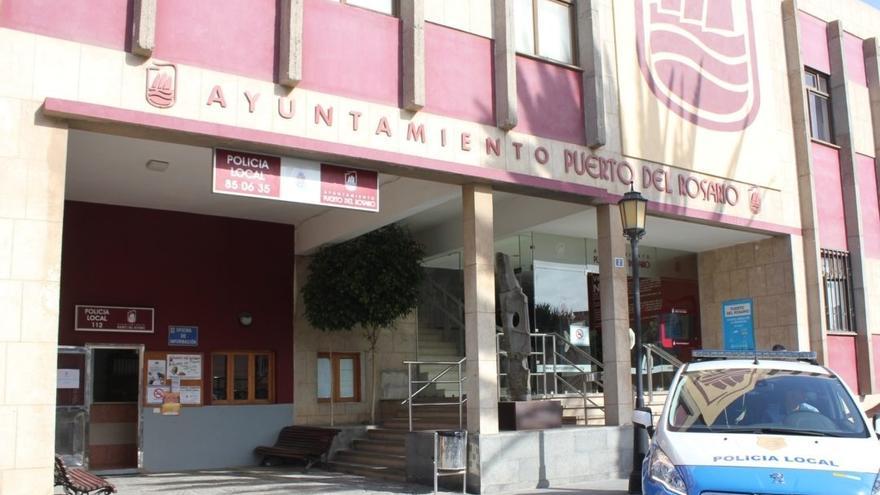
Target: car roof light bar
(711,354)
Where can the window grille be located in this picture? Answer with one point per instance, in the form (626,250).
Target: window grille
(837,281)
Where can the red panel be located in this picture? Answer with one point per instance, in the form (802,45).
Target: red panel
(95,22)
(461,90)
(237,36)
(842,359)
(551,103)
(829,197)
(855,59)
(869,205)
(875,343)
(814,43)
(194,269)
(349,51)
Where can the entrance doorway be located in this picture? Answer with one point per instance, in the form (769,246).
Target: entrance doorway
(115,412)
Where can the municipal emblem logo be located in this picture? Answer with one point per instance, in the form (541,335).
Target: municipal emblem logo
(131,316)
(698,57)
(162,85)
(351,181)
(754,200)
(778,478)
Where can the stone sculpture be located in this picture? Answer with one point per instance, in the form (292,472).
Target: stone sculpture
(514,306)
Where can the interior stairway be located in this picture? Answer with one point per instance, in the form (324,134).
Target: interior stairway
(382,452)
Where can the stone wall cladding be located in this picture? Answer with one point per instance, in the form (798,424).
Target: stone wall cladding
(761,270)
(521,460)
(393,349)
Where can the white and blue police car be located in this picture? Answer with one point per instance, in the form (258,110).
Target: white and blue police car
(759,423)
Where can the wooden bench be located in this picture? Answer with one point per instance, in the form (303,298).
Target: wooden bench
(79,481)
(307,443)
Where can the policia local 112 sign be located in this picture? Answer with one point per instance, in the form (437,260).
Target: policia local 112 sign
(241,173)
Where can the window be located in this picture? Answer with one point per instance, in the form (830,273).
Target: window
(819,102)
(383,6)
(553,22)
(339,374)
(837,280)
(242,377)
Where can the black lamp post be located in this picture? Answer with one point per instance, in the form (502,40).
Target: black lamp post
(633,209)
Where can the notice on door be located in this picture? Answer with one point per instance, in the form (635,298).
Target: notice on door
(68,378)
(294,180)
(185,366)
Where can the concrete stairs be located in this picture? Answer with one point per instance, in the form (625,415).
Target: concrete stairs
(573,412)
(381,453)
(435,346)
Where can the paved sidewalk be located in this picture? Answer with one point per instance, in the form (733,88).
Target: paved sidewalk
(293,480)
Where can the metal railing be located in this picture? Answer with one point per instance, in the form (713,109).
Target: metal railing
(549,365)
(450,365)
(652,350)
(441,304)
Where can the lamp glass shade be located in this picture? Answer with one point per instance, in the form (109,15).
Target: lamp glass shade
(245,319)
(633,213)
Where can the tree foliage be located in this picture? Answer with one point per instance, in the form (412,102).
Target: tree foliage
(369,281)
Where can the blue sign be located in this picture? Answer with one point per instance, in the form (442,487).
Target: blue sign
(183,335)
(738,324)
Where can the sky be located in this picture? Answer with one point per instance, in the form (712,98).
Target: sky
(875,3)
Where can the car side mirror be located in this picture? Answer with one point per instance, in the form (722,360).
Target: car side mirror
(876,421)
(644,417)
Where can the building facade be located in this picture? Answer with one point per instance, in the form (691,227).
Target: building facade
(167,168)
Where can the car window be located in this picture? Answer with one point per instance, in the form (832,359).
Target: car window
(764,400)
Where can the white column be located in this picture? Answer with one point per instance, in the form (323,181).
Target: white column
(31,211)
(615,317)
(479,309)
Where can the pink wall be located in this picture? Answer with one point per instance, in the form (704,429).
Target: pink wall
(829,197)
(814,43)
(842,359)
(95,22)
(868,201)
(855,59)
(462,89)
(351,52)
(237,36)
(551,103)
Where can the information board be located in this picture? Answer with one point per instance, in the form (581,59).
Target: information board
(183,335)
(737,317)
(242,173)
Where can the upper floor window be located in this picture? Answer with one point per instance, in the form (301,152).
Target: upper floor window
(837,281)
(819,102)
(545,28)
(383,6)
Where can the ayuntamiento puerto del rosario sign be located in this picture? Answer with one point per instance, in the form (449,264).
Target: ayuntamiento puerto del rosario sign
(441,140)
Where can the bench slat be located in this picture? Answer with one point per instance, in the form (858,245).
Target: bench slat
(300,442)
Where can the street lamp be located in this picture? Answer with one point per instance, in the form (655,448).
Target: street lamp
(633,209)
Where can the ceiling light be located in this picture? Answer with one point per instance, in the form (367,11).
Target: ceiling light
(157,165)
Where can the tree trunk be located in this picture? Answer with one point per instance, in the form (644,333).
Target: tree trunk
(373,339)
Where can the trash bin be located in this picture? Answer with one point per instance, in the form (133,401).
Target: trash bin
(451,450)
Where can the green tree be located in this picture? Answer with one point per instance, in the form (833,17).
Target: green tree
(367,282)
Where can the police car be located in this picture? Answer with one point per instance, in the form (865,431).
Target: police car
(766,424)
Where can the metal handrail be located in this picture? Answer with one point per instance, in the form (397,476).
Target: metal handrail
(553,359)
(663,353)
(579,351)
(457,316)
(427,383)
(651,350)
